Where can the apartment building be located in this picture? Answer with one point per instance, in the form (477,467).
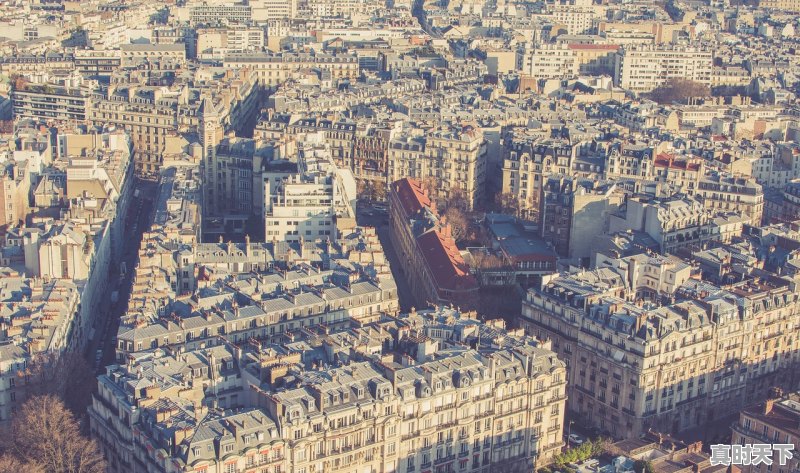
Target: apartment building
(694,355)
(214,13)
(311,203)
(216,43)
(576,19)
(370,162)
(15,190)
(157,116)
(529,158)
(643,68)
(51,102)
(629,160)
(563,60)
(272,69)
(429,258)
(774,421)
(789,6)
(453,156)
(728,193)
(549,61)
(456,158)
(573,208)
(266,10)
(680,173)
(672,222)
(233,185)
(413,397)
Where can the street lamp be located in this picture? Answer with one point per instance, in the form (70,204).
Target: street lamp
(569,432)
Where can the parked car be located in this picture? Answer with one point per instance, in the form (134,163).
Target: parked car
(575,439)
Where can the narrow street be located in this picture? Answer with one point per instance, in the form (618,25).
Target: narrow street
(419,13)
(137,220)
(369,216)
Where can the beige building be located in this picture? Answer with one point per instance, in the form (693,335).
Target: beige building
(452,156)
(529,158)
(428,403)
(789,6)
(701,354)
(157,117)
(774,421)
(727,193)
(549,61)
(643,68)
(274,69)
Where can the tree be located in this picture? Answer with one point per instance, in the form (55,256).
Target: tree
(643,466)
(458,223)
(588,449)
(431,185)
(678,90)
(457,198)
(19,82)
(45,431)
(379,191)
(10,464)
(67,376)
(507,203)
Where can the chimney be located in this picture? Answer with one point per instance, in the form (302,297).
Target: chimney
(768,405)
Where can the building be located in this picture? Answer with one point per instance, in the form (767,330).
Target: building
(549,61)
(573,208)
(159,117)
(414,396)
(233,185)
(789,6)
(430,260)
(672,222)
(214,13)
(774,421)
(694,354)
(727,193)
(643,68)
(273,69)
(529,159)
(452,156)
(51,102)
(311,203)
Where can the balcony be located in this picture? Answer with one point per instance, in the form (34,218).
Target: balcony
(444,408)
(446,459)
(410,436)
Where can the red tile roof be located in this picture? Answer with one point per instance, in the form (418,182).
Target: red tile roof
(665,160)
(445,262)
(411,195)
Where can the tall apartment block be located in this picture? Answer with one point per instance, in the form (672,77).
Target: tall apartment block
(427,391)
(643,68)
(649,345)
